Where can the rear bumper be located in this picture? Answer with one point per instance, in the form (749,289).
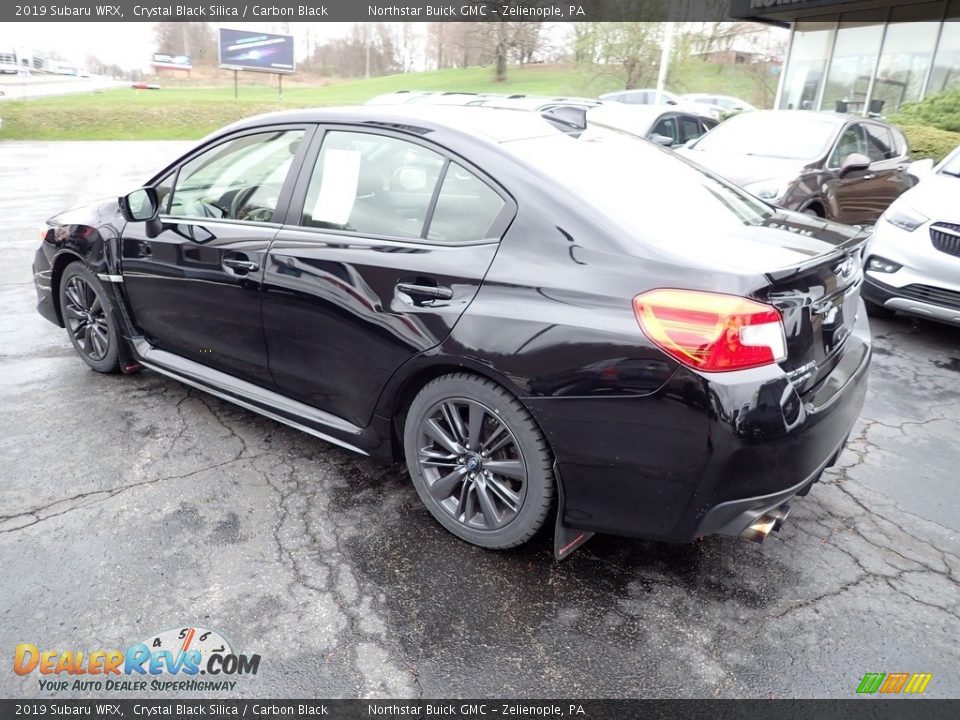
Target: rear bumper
(704,454)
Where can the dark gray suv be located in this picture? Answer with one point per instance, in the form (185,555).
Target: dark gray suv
(835,166)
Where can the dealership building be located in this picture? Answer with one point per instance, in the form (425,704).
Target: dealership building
(862,57)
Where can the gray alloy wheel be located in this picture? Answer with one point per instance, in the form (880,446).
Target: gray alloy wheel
(88,317)
(478,461)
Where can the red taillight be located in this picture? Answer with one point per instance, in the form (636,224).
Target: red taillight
(710,331)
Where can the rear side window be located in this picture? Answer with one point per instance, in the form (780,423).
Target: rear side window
(372,185)
(880,143)
(466,208)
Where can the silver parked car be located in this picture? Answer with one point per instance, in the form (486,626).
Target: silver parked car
(913,258)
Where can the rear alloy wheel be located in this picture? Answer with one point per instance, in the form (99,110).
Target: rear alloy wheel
(87,315)
(478,460)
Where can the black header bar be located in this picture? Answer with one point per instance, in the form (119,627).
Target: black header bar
(252,11)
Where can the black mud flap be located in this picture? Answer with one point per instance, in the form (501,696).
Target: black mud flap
(565,539)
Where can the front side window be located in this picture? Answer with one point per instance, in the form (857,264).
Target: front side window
(240,179)
(852,140)
(666,127)
(880,145)
(372,185)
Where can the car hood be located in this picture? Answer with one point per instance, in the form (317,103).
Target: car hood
(743,169)
(99,212)
(935,196)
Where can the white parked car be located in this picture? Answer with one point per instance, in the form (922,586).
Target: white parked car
(649,96)
(912,262)
(717,106)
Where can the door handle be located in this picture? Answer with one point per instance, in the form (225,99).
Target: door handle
(429,291)
(869,176)
(240,266)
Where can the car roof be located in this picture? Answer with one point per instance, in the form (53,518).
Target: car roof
(497,125)
(516,100)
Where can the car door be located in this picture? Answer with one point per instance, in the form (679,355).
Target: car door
(386,243)
(194,286)
(853,198)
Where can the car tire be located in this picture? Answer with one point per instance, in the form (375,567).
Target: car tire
(878,311)
(88,316)
(485,473)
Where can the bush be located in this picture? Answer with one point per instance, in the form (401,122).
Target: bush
(941,111)
(930,142)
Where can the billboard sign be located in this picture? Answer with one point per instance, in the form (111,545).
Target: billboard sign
(249,50)
(168,60)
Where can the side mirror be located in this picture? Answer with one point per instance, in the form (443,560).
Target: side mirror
(664,140)
(855,162)
(140,205)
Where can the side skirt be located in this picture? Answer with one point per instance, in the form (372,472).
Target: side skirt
(252,397)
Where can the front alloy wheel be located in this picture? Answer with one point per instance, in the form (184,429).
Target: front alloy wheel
(478,461)
(87,316)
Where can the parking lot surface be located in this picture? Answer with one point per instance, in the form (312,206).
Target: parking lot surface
(134,504)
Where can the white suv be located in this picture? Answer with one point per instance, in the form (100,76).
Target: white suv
(913,259)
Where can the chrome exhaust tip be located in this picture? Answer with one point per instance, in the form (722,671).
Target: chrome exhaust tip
(780,516)
(758,530)
(769,522)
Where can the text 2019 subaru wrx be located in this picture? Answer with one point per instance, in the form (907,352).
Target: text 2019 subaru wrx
(537,320)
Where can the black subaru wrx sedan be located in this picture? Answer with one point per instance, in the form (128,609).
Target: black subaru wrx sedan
(541,321)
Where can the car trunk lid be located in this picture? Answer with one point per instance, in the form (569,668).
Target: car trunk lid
(819,302)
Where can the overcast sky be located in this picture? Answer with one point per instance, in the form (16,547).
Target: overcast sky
(129,45)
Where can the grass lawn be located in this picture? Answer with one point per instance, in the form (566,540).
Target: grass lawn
(176,113)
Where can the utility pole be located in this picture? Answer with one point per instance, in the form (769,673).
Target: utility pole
(664,60)
(366,33)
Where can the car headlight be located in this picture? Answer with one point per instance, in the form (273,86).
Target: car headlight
(771,190)
(904,217)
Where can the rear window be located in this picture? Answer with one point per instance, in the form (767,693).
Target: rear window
(648,191)
(780,135)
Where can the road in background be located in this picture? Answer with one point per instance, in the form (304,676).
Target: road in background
(134,504)
(20,88)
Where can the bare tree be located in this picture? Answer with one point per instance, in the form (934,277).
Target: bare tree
(634,47)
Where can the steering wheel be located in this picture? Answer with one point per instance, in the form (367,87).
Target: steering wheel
(239,200)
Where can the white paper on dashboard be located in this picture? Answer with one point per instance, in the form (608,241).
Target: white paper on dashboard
(338,186)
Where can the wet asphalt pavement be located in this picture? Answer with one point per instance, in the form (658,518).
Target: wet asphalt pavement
(133,504)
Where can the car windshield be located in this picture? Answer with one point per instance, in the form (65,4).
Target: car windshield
(646,190)
(793,137)
(952,165)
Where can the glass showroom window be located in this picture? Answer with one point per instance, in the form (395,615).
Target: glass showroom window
(854,57)
(946,66)
(905,59)
(809,50)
